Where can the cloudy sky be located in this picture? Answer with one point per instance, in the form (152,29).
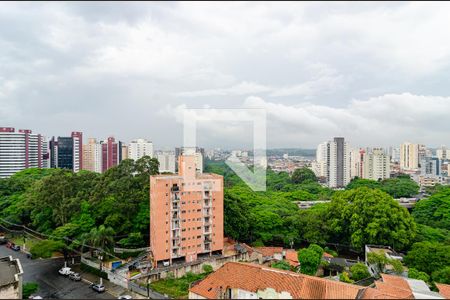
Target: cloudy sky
(376,73)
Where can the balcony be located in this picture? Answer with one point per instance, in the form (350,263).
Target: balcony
(175,208)
(175,188)
(207,230)
(207,204)
(175,225)
(207,222)
(207,240)
(206,212)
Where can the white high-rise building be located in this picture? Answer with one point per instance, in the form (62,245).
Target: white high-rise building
(443,153)
(166,162)
(20,150)
(92,156)
(139,148)
(376,165)
(409,156)
(337,162)
(320,165)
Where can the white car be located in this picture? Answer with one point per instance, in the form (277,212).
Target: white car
(66,271)
(125,297)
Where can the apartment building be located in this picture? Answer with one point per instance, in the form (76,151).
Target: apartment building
(166,162)
(20,150)
(111,153)
(333,160)
(92,156)
(376,164)
(409,156)
(139,148)
(186,214)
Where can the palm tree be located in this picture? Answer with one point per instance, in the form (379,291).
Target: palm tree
(101,237)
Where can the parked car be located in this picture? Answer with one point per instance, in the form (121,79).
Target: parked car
(66,271)
(75,277)
(125,297)
(35,297)
(15,247)
(99,288)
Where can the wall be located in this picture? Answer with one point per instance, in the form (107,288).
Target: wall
(11,291)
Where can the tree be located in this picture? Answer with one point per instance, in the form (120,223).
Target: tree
(428,257)
(397,265)
(316,248)
(344,277)
(309,261)
(302,175)
(400,187)
(359,271)
(365,216)
(434,211)
(415,274)
(379,260)
(282,265)
(442,275)
(360,182)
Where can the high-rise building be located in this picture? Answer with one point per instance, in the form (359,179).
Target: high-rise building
(67,152)
(443,153)
(409,156)
(336,162)
(186,214)
(139,148)
(200,153)
(111,153)
(124,152)
(376,164)
(166,162)
(92,156)
(430,167)
(21,150)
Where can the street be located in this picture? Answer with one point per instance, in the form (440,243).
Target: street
(52,285)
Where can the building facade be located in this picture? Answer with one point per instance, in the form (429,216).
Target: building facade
(334,158)
(139,148)
(92,156)
(11,273)
(166,162)
(67,152)
(376,165)
(409,156)
(111,153)
(20,150)
(186,214)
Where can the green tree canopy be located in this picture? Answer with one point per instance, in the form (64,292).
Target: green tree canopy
(434,211)
(428,257)
(359,271)
(309,261)
(302,175)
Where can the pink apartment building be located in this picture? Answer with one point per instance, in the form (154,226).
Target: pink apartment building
(186,214)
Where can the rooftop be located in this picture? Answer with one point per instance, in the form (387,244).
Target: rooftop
(9,268)
(253,278)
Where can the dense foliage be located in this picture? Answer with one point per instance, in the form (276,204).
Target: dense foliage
(398,187)
(65,204)
(359,271)
(310,259)
(434,211)
(428,257)
(45,248)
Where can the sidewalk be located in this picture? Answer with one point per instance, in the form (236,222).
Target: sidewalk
(111,288)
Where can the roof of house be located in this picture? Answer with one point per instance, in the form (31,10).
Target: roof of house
(292,257)
(325,254)
(251,277)
(269,251)
(394,291)
(396,281)
(444,290)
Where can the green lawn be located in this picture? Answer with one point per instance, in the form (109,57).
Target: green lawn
(176,288)
(29,242)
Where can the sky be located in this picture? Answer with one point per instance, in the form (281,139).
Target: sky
(376,73)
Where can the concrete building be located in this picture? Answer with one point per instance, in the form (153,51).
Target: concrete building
(199,152)
(334,157)
(443,153)
(67,152)
(10,278)
(139,148)
(111,153)
(376,165)
(124,152)
(409,156)
(21,150)
(186,214)
(166,162)
(430,166)
(92,156)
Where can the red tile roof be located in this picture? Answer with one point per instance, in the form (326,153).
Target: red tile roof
(327,255)
(396,281)
(269,251)
(444,290)
(252,278)
(391,287)
(292,257)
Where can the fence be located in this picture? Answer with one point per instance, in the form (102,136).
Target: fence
(122,250)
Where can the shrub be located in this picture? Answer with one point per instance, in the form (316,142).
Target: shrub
(28,289)
(359,271)
(442,275)
(89,269)
(46,248)
(207,269)
(415,274)
(345,278)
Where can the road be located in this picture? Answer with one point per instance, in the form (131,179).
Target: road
(52,285)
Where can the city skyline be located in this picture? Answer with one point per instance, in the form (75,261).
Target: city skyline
(130,70)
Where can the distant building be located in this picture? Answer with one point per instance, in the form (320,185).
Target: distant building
(92,156)
(333,159)
(67,152)
(200,155)
(376,165)
(430,166)
(409,156)
(186,214)
(387,251)
(443,153)
(166,162)
(139,148)
(124,152)
(111,153)
(20,150)
(10,278)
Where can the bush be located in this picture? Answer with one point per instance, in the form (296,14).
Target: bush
(89,269)
(207,269)
(415,274)
(442,275)
(359,271)
(46,248)
(282,265)
(28,289)
(345,278)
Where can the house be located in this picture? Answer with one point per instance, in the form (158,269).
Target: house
(270,253)
(444,290)
(397,287)
(10,278)
(250,281)
(387,251)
